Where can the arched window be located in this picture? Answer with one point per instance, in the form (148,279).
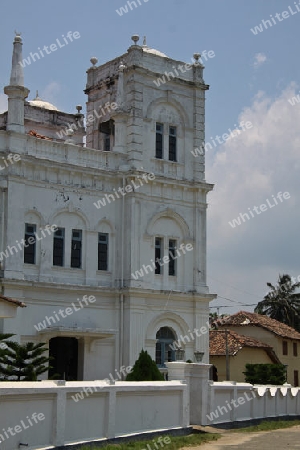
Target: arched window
(107,132)
(164,351)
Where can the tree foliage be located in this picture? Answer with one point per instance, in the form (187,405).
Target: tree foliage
(282,303)
(215,320)
(22,362)
(144,369)
(3,345)
(213,317)
(3,337)
(265,374)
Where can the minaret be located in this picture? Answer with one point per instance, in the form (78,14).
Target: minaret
(16,91)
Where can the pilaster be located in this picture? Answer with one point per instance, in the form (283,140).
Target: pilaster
(196,377)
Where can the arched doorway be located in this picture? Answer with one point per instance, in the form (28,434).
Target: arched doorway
(164,352)
(64,365)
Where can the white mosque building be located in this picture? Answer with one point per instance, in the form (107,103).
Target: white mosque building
(103,220)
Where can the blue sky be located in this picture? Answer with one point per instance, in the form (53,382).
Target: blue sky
(251,77)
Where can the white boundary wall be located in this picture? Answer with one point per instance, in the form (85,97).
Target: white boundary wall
(227,402)
(234,402)
(105,411)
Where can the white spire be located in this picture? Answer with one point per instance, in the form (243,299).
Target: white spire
(17,74)
(16,91)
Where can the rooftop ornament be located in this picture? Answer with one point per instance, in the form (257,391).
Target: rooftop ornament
(196,57)
(94,61)
(17,36)
(135,38)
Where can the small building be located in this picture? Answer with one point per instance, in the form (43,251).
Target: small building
(284,340)
(241,350)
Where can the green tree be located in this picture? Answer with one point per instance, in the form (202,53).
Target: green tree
(3,348)
(3,337)
(144,369)
(265,374)
(282,303)
(215,320)
(213,317)
(23,362)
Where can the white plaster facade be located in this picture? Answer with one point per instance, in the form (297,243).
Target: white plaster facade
(58,183)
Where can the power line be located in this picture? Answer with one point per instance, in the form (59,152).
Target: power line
(237,289)
(229,306)
(235,301)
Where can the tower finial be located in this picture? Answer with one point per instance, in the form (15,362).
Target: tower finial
(135,38)
(145,42)
(16,91)
(17,75)
(196,57)
(37,95)
(94,61)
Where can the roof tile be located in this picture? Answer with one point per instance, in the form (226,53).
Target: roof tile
(245,318)
(217,343)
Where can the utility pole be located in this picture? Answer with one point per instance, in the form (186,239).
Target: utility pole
(227,356)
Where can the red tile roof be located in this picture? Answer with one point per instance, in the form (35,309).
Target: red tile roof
(217,342)
(248,319)
(236,342)
(39,136)
(11,300)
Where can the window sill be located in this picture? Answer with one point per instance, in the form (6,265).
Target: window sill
(166,161)
(67,269)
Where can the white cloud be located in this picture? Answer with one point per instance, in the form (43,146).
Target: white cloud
(3,103)
(259,60)
(247,170)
